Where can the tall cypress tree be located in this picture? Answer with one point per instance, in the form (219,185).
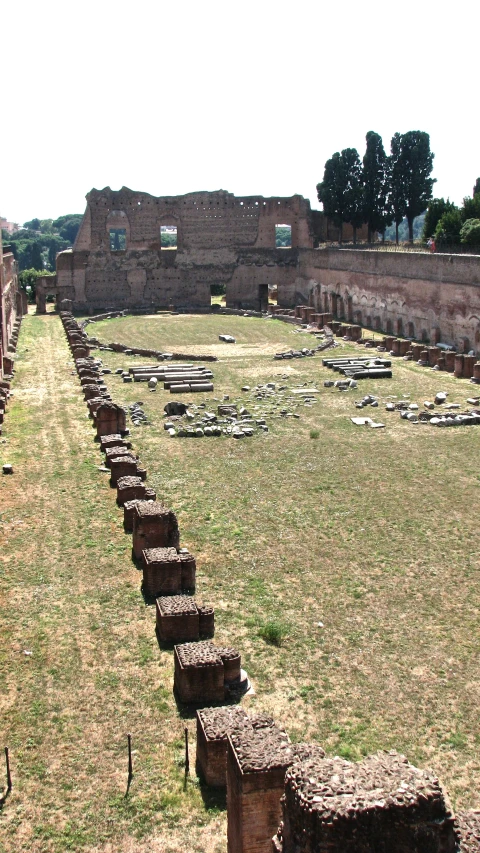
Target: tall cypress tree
(341,189)
(375,184)
(355,204)
(415,162)
(397,185)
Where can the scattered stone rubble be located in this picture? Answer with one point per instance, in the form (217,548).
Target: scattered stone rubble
(440,413)
(360,368)
(241,418)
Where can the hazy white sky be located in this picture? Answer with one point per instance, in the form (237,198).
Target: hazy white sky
(172,97)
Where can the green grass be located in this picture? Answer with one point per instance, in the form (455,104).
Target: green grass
(273,632)
(371,532)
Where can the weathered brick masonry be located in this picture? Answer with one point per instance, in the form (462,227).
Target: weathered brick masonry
(13,305)
(222,239)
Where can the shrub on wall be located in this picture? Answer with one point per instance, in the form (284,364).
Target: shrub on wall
(470,233)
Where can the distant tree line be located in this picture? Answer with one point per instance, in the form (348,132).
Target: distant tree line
(381,189)
(452,225)
(37,243)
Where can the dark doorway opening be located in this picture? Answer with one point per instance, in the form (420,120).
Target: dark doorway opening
(263,297)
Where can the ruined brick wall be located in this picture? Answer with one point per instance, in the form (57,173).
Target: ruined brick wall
(11,302)
(435,297)
(222,239)
(213,228)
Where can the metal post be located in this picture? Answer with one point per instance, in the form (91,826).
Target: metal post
(130,765)
(187,761)
(9,775)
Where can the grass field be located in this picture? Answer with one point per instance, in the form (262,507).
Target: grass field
(373,533)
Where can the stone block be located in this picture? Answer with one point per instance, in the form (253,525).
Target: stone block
(206,620)
(154,526)
(109,419)
(162,572)
(177,619)
(129,489)
(199,673)
(189,569)
(380,805)
(450,361)
(257,760)
(468,365)
(458,368)
(214,725)
(116,452)
(114,440)
(122,466)
(129,507)
(468,825)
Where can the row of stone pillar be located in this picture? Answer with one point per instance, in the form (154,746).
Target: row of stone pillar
(460,364)
(8,367)
(281,797)
(203,672)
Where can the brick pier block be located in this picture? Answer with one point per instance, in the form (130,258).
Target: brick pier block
(257,761)
(381,805)
(177,619)
(129,489)
(214,725)
(162,571)
(154,526)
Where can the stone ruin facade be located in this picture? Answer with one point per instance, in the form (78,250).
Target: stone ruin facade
(118,262)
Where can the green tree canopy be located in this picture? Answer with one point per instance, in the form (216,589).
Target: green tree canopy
(415,162)
(341,191)
(68,226)
(376,178)
(37,247)
(448,227)
(32,225)
(398,200)
(436,208)
(470,233)
(471,207)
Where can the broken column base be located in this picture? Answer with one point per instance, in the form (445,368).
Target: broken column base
(382,803)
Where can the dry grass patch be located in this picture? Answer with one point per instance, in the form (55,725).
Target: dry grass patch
(371,533)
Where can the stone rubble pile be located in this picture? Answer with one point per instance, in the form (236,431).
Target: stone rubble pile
(360,368)
(438,413)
